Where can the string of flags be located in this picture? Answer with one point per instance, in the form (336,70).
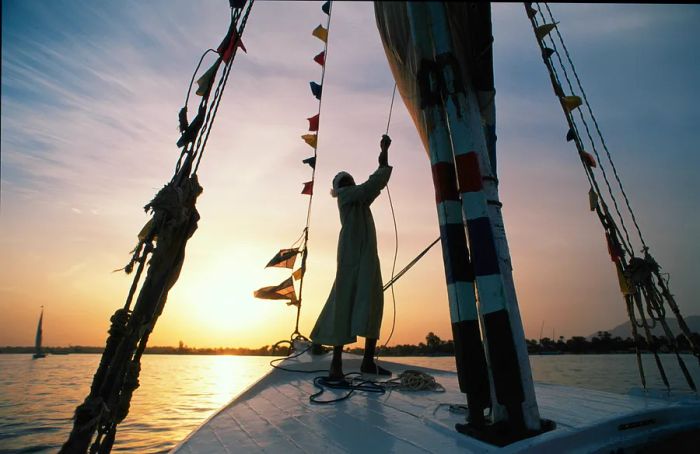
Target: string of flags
(286,258)
(226,51)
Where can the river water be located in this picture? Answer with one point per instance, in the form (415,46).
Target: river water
(177,393)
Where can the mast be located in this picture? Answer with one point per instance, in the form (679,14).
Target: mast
(440,55)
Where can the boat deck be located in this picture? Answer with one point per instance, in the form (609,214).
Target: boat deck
(275,415)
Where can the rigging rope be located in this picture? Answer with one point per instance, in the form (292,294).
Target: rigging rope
(641,280)
(305,232)
(174,220)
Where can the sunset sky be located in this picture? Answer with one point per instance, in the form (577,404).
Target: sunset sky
(90,95)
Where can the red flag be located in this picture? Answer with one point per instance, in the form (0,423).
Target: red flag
(226,47)
(308,188)
(313,122)
(321,58)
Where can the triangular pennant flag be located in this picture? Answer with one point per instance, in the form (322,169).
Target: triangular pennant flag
(283,291)
(624,285)
(544,29)
(285,258)
(313,123)
(308,188)
(311,139)
(298,274)
(571,102)
(531,12)
(310,161)
(205,82)
(230,42)
(547,52)
(588,159)
(320,33)
(236,3)
(571,135)
(326,7)
(321,58)
(316,90)
(613,249)
(592,199)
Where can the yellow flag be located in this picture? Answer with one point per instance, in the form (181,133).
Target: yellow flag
(310,139)
(321,33)
(543,30)
(571,102)
(622,280)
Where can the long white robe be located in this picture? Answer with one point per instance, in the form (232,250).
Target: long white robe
(356,302)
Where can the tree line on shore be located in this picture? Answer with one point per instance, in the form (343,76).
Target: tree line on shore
(601,343)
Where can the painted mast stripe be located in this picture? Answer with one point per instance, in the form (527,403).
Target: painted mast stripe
(474,205)
(449,212)
(466,308)
(468,173)
(484,255)
(445,181)
(492,297)
(454,247)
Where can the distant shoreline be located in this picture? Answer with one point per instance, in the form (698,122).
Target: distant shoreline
(602,343)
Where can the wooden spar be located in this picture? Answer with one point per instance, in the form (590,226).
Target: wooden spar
(469,350)
(503,331)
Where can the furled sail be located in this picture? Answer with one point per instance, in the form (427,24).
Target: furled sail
(470,29)
(441,57)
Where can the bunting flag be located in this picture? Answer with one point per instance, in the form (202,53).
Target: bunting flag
(308,188)
(571,102)
(531,12)
(571,135)
(311,139)
(613,249)
(316,90)
(592,199)
(206,81)
(298,274)
(285,258)
(321,58)
(313,123)
(544,29)
(236,4)
(624,286)
(229,44)
(283,291)
(326,7)
(310,161)
(547,52)
(321,33)
(588,159)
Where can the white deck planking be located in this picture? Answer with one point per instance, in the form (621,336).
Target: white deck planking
(275,415)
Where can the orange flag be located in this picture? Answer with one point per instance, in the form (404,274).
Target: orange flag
(311,139)
(321,33)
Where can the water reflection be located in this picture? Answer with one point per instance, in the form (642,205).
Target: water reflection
(177,393)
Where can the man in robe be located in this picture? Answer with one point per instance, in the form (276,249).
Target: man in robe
(356,302)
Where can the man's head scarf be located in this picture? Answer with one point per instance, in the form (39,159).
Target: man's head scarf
(336,182)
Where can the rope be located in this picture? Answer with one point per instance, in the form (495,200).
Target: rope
(600,134)
(396,241)
(641,281)
(305,232)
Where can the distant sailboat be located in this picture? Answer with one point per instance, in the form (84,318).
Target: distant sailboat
(37,343)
